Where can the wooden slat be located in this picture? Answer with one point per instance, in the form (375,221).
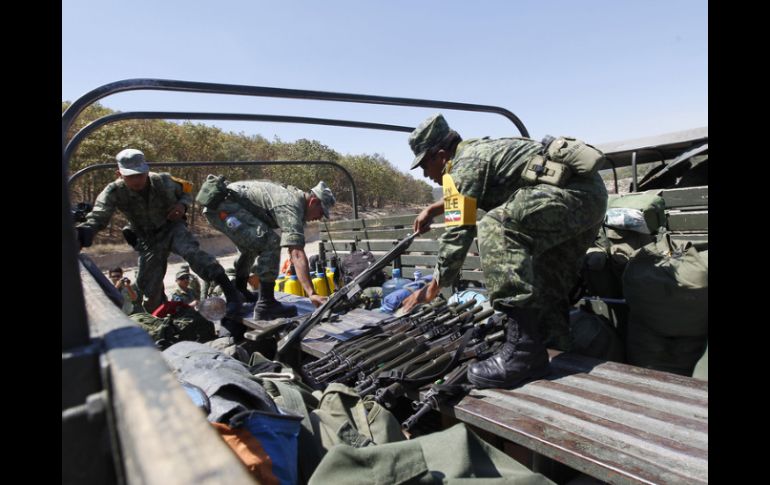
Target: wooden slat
(164,437)
(615,422)
(379,222)
(686,197)
(694,221)
(471,262)
(380,234)
(418,246)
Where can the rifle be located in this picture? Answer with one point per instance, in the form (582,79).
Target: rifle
(345,293)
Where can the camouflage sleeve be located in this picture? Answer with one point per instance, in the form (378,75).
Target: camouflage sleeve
(182,191)
(289,219)
(453,247)
(103,209)
(470,176)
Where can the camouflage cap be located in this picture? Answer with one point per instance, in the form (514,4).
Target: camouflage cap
(426,136)
(131,162)
(324,194)
(182,274)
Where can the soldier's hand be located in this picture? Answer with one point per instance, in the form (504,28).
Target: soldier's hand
(317,300)
(85,236)
(422,221)
(424,295)
(176,212)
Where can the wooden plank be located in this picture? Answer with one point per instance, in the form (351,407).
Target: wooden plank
(686,197)
(693,221)
(379,222)
(615,422)
(417,246)
(471,262)
(382,234)
(164,437)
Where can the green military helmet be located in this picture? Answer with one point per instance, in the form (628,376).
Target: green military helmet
(324,194)
(427,135)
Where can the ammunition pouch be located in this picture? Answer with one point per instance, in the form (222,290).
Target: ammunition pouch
(539,170)
(581,157)
(560,158)
(213,191)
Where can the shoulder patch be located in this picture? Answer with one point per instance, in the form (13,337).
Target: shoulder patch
(187,186)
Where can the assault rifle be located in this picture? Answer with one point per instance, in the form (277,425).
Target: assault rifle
(343,294)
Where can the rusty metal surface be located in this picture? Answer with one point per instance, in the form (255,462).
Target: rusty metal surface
(618,423)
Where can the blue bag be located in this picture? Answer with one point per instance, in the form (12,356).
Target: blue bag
(278,434)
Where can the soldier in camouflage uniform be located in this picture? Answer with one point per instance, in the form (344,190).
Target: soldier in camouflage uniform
(249,216)
(195,283)
(183,292)
(155,205)
(532,239)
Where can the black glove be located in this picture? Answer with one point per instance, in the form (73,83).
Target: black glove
(130,236)
(85,236)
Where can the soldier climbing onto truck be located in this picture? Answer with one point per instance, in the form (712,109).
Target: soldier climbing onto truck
(155,205)
(544,202)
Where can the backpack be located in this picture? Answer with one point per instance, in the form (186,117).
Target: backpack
(185,324)
(355,263)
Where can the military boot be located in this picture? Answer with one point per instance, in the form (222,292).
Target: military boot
(268,308)
(522,357)
(240,285)
(233,296)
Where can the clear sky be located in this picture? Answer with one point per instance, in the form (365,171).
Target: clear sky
(600,70)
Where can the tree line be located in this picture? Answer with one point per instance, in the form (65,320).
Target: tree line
(378,182)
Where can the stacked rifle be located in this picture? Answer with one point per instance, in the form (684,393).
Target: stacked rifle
(407,352)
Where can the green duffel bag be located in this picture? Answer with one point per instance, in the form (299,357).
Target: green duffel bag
(666,287)
(186,324)
(594,336)
(702,367)
(453,456)
(343,417)
(647,348)
(642,212)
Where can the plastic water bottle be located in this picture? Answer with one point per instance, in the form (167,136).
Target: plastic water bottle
(417,274)
(393,284)
(232,222)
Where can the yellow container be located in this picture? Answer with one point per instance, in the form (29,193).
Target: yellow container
(279,283)
(320,285)
(293,287)
(330,279)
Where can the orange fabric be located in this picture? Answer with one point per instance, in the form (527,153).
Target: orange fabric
(285,267)
(250,451)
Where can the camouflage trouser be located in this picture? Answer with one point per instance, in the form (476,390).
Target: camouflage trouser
(153,260)
(532,248)
(253,238)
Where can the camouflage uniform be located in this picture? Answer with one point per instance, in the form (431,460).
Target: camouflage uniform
(532,238)
(185,296)
(157,237)
(273,206)
(195,283)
